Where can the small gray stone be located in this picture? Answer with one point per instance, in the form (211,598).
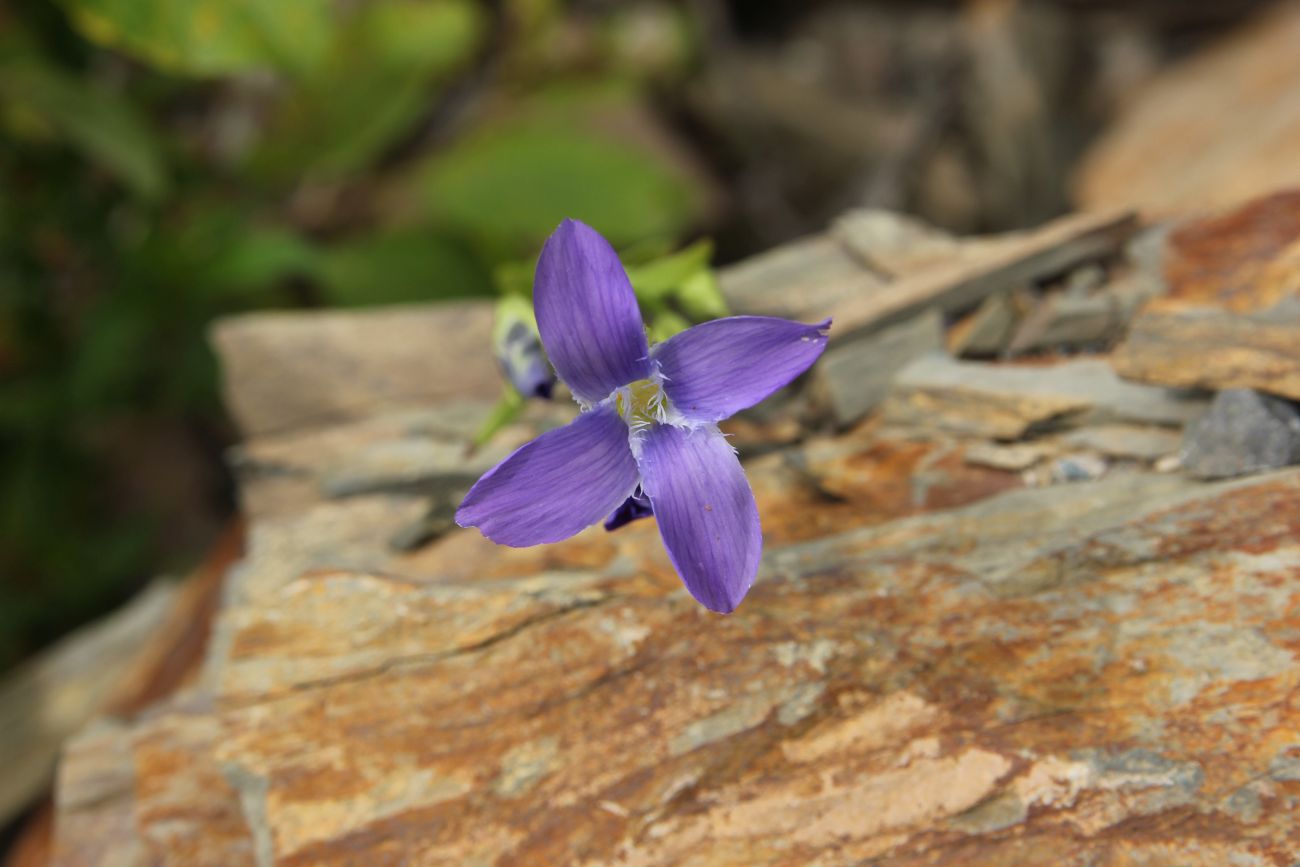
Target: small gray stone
(1243,432)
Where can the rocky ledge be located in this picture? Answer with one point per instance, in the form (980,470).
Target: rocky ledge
(997,621)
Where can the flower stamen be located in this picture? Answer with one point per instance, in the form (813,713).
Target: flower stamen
(642,403)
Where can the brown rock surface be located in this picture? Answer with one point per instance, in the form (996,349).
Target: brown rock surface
(1088,672)
(1217,129)
(936,666)
(1245,259)
(1201,348)
(285,371)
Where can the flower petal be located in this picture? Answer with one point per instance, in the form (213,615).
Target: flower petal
(555,486)
(718,368)
(706,511)
(587,313)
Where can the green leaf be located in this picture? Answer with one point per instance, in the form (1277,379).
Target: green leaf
(700,298)
(103,125)
(400,266)
(514,278)
(216,256)
(258,257)
(658,279)
(210,37)
(509,186)
(375,81)
(666,323)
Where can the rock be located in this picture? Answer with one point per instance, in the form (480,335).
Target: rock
(414,451)
(1065,322)
(967,279)
(1200,348)
(1138,442)
(1007,402)
(893,244)
(1246,259)
(128,659)
(1012,456)
(856,375)
(52,696)
(802,280)
(857,480)
(987,330)
(873,271)
(1244,432)
(1067,469)
(288,371)
(1074,664)
(937,664)
(1170,152)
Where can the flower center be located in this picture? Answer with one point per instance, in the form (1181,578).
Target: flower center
(642,402)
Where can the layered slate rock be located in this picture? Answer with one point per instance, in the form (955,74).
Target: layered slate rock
(937,664)
(290,371)
(1007,402)
(1104,671)
(1210,348)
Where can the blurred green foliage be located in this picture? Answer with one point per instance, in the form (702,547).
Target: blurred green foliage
(166,162)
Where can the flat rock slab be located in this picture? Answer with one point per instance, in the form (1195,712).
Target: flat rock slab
(800,280)
(289,371)
(1205,348)
(1088,673)
(984,268)
(937,663)
(414,451)
(1139,442)
(876,269)
(1006,402)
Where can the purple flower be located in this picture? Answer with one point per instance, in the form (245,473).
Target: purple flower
(647,438)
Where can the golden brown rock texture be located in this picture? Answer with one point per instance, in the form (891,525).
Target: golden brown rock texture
(1211,349)
(1067,674)
(936,666)
(1245,259)
(1221,127)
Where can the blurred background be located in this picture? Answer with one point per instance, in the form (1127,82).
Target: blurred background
(166,163)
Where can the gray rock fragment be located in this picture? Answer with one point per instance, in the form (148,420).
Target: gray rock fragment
(1243,432)
(855,376)
(892,243)
(1007,402)
(986,332)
